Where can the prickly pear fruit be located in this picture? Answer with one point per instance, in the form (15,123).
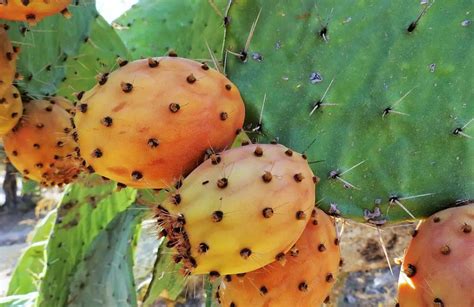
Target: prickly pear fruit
(239,210)
(32,11)
(305,278)
(42,145)
(11,109)
(7,60)
(152,120)
(438,267)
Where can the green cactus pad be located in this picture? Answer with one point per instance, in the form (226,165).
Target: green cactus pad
(46,46)
(104,277)
(98,54)
(85,211)
(33,259)
(386,131)
(153,27)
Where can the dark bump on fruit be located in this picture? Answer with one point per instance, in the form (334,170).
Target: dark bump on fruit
(97,153)
(136,175)
(60,144)
(126,87)
(321,247)
(232,304)
(228,87)
(304,156)
(438,302)
(414,232)
(298,177)
(122,62)
(228,278)
(36,146)
(329,277)
(153,143)
(106,121)
(303,286)
(300,215)
(327,299)
(267,212)
(83,108)
(191,79)
(39,165)
(289,152)
(222,183)
(267,177)
(215,159)
(101,78)
(224,116)
(204,66)
(410,270)
(436,219)
(176,198)
(152,63)
(174,107)
(172,54)
(203,248)
(336,241)
(15,153)
(258,151)
(245,143)
(214,274)
(280,257)
(263,290)
(205,182)
(466,228)
(245,253)
(445,250)
(49,108)
(217,216)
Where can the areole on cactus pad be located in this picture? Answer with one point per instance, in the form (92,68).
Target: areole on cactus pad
(239,210)
(304,278)
(438,267)
(151,121)
(11,109)
(42,145)
(8,55)
(32,11)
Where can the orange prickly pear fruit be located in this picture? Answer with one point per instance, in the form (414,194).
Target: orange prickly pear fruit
(151,121)
(438,267)
(11,109)
(304,279)
(32,11)
(8,55)
(42,145)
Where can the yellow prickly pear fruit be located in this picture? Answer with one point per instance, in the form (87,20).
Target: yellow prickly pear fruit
(240,210)
(42,145)
(11,109)
(151,121)
(438,267)
(304,279)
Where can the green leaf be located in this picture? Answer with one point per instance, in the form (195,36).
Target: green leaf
(105,277)
(86,209)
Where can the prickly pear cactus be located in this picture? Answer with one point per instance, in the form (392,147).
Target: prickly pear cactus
(438,267)
(377,92)
(8,55)
(305,277)
(267,186)
(191,28)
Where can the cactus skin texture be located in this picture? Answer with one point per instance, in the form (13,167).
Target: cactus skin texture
(438,267)
(42,146)
(380,70)
(304,279)
(187,33)
(32,11)
(11,109)
(8,56)
(239,210)
(165,111)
